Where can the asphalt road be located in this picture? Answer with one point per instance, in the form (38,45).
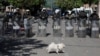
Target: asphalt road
(74,46)
(36,46)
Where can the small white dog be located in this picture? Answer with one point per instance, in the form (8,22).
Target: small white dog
(55,47)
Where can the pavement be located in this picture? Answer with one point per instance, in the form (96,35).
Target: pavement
(74,46)
(36,46)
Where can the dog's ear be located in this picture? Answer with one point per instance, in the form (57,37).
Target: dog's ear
(52,42)
(64,45)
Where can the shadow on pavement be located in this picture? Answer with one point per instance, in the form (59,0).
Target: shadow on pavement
(19,44)
(55,52)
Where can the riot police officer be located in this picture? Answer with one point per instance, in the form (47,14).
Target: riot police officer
(94,16)
(43,16)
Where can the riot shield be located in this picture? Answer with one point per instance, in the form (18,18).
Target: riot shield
(41,29)
(69,31)
(56,28)
(95,29)
(82,28)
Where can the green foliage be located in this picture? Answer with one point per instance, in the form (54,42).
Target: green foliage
(78,3)
(68,4)
(90,1)
(26,3)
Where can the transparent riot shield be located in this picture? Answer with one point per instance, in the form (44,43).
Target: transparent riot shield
(69,31)
(95,29)
(34,28)
(41,29)
(82,28)
(56,28)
